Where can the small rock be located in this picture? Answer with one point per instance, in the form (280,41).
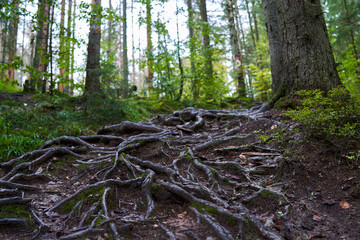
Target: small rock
(210,238)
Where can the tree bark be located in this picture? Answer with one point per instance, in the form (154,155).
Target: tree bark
(68,49)
(92,81)
(300,52)
(178,53)
(125,80)
(62,46)
(206,44)
(194,82)
(150,74)
(236,51)
(40,59)
(12,40)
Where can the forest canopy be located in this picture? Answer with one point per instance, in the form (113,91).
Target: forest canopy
(174,50)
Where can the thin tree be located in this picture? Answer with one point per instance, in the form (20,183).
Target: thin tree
(178,53)
(12,40)
(236,50)
(52,85)
(62,46)
(250,24)
(125,79)
(71,91)
(194,79)
(92,81)
(206,43)
(149,56)
(300,51)
(40,58)
(68,48)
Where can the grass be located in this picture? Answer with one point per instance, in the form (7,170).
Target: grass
(24,126)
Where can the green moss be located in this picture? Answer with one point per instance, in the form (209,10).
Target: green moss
(90,196)
(17,211)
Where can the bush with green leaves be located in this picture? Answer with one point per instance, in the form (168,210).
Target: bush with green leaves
(334,117)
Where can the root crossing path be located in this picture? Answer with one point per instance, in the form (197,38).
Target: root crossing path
(194,174)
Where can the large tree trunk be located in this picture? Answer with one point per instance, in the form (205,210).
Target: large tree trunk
(92,81)
(13,32)
(236,51)
(40,59)
(300,52)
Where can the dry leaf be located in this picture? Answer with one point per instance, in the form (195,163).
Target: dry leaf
(317,218)
(270,182)
(39,170)
(155,225)
(344,205)
(242,156)
(181,215)
(260,154)
(273,127)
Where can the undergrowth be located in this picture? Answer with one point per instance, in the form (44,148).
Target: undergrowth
(333,118)
(24,126)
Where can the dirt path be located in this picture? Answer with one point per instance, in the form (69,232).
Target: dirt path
(195,174)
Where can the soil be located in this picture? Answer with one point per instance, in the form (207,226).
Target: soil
(194,174)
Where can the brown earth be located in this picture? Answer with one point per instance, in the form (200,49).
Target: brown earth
(195,174)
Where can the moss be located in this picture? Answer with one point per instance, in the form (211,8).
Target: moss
(17,211)
(90,196)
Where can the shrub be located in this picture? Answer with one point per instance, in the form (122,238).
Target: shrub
(334,117)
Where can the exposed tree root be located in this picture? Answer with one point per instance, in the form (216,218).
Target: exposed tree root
(135,176)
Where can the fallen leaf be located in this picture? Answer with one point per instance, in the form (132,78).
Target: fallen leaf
(344,205)
(260,154)
(273,127)
(39,170)
(270,182)
(317,218)
(242,156)
(181,215)
(155,225)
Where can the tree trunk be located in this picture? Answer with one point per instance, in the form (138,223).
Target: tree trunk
(207,47)
(12,40)
(68,49)
(125,80)
(108,51)
(120,41)
(62,46)
(178,53)
(150,74)
(194,82)
(133,44)
(236,51)
(250,23)
(40,59)
(92,81)
(51,87)
(300,52)
(71,91)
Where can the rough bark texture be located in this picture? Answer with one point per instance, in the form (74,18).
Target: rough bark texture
(92,82)
(300,52)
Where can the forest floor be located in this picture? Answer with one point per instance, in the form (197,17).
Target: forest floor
(193,174)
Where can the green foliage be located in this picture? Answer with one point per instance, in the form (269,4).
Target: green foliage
(16,211)
(334,117)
